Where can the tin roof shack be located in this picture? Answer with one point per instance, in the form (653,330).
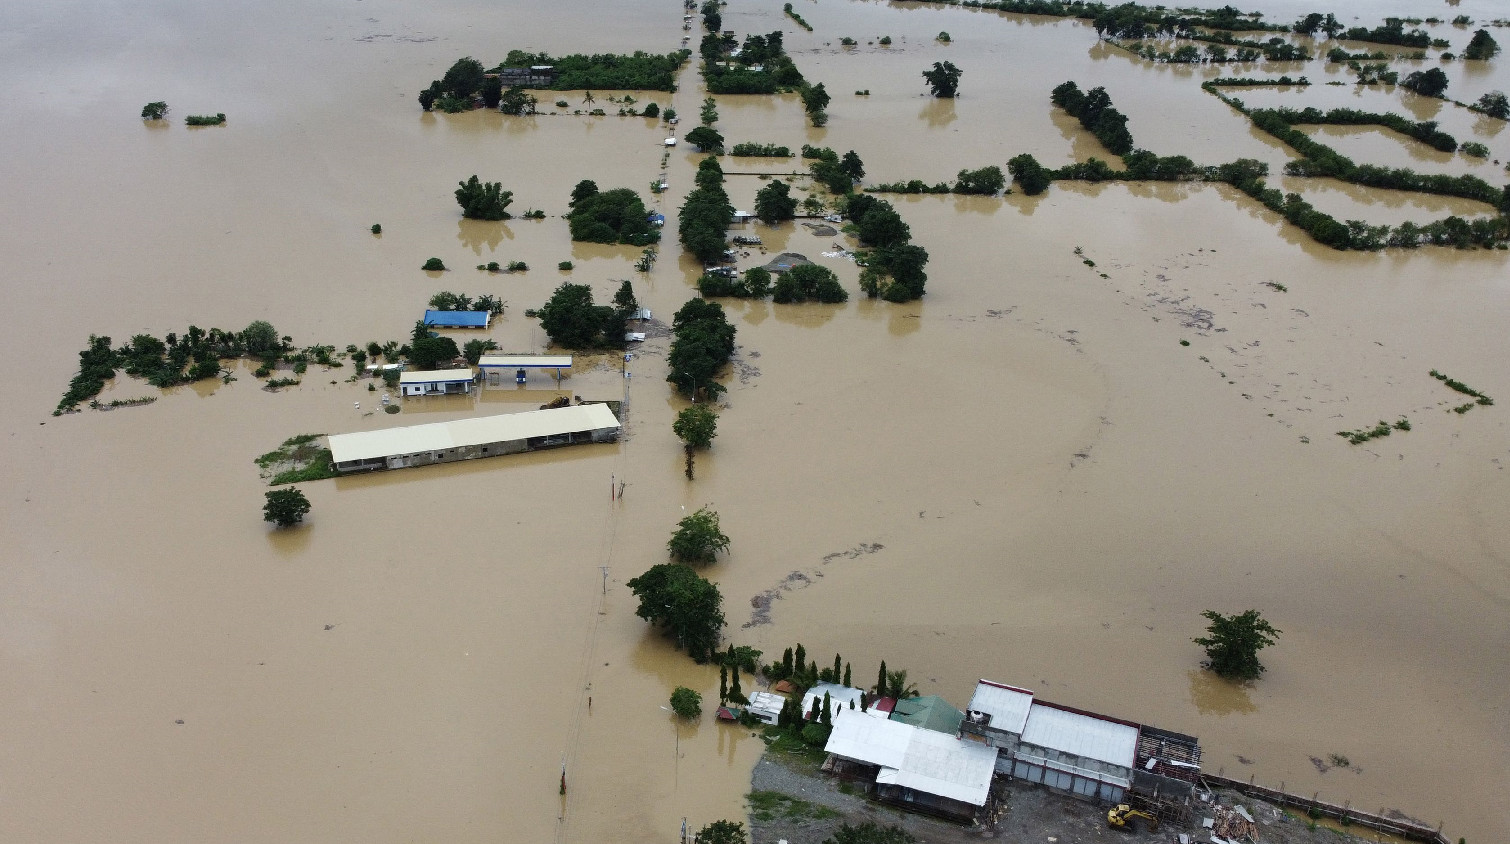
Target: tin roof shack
(930,712)
(465,439)
(440,383)
(1167,767)
(1087,755)
(917,769)
(839,698)
(996,716)
(765,706)
(458,319)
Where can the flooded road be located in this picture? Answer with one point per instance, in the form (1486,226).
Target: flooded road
(1024,477)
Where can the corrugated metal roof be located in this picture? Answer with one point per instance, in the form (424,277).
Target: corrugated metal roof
(526,361)
(1007,705)
(912,757)
(439,436)
(1082,735)
(443,376)
(462,319)
(766,703)
(931,713)
(838,698)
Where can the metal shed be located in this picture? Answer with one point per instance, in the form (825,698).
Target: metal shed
(458,319)
(464,439)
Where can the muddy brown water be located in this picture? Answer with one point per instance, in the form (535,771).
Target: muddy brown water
(1057,486)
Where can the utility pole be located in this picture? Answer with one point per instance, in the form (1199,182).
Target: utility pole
(604,569)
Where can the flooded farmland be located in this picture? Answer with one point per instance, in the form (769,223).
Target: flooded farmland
(1025,476)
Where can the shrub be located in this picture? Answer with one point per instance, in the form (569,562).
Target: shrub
(377,228)
(434,265)
(205,119)
(944,37)
(564,266)
(154,111)
(1475,149)
(885,40)
(483,200)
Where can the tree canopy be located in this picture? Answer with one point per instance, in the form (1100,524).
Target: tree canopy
(870,832)
(706,215)
(1030,176)
(572,321)
(612,216)
(696,425)
(943,79)
(1427,83)
(1482,46)
(483,200)
(697,538)
(155,111)
(686,703)
(688,607)
(260,338)
(703,342)
(722,832)
(1232,643)
(774,202)
(806,282)
(707,139)
(285,507)
(987,181)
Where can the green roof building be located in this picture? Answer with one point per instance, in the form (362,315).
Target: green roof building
(930,713)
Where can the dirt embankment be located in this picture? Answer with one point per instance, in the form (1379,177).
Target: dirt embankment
(791,801)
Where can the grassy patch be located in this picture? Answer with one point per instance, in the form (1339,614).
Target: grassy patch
(1466,390)
(1383,429)
(767,806)
(299,458)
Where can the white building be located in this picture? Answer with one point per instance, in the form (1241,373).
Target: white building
(440,383)
(919,769)
(464,439)
(1088,755)
(839,699)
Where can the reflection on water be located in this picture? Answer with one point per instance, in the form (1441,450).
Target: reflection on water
(938,112)
(475,234)
(290,542)
(1213,695)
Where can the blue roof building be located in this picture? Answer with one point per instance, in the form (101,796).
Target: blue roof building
(458,319)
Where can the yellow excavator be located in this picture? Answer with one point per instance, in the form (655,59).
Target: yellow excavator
(1126,817)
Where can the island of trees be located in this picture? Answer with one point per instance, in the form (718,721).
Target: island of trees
(467,84)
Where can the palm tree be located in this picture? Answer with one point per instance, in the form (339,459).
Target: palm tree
(587,98)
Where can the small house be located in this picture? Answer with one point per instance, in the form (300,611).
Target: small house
(765,706)
(916,769)
(446,382)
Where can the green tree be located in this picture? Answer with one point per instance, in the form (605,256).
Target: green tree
(870,832)
(624,298)
(1427,83)
(1495,104)
(651,110)
(943,79)
(881,680)
(463,79)
(808,282)
(697,538)
(898,687)
(709,112)
(687,704)
(515,101)
(427,352)
(723,683)
(1232,643)
(154,111)
(572,321)
(987,181)
(1031,176)
(686,606)
(815,98)
(475,349)
(707,139)
(483,200)
(774,202)
(703,342)
(697,425)
(492,91)
(852,166)
(259,338)
(285,507)
(882,226)
(584,189)
(613,216)
(1482,46)
(722,832)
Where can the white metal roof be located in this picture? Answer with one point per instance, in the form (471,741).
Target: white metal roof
(1007,705)
(443,376)
(912,757)
(838,698)
(766,702)
(551,361)
(438,436)
(1085,736)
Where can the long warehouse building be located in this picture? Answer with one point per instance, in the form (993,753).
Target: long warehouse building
(466,439)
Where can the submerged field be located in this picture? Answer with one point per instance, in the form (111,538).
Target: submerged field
(1024,477)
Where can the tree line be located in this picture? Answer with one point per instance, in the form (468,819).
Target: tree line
(466,80)
(612,216)
(759,65)
(706,214)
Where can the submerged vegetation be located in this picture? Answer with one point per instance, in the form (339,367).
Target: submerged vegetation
(1458,386)
(612,216)
(205,119)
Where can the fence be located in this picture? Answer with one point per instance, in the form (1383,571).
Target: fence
(1390,826)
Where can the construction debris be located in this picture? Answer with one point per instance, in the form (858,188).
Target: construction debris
(1233,824)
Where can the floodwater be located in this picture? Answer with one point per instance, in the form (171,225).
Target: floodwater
(1024,477)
